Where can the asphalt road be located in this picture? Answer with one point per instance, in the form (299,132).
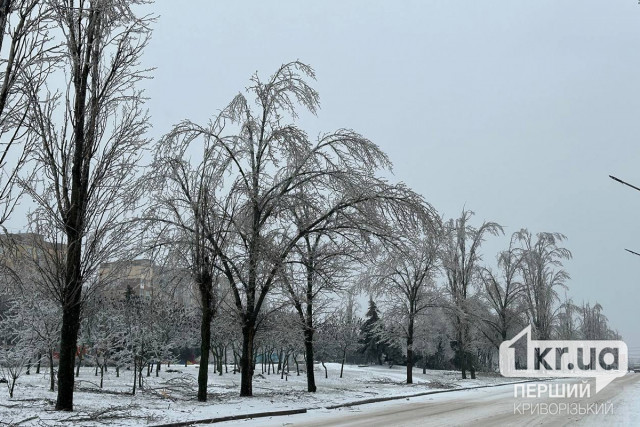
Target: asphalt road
(492,406)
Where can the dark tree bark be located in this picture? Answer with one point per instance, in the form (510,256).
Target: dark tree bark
(135,375)
(205,285)
(52,377)
(246,359)
(83,189)
(410,349)
(84,60)
(308,348)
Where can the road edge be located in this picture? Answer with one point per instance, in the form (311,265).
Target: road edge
(341,405)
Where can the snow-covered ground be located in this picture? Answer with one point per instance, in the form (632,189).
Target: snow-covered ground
(626,409)
(171,396)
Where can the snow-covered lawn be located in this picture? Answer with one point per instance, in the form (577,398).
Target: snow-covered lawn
(171,396)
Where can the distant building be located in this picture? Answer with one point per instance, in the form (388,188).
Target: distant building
(27,256)
(33,246)
(143,278)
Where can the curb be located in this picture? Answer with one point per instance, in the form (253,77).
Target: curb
(424,393)
(235,417)
(341,405)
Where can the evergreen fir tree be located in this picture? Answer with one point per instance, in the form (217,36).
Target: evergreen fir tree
(370,345)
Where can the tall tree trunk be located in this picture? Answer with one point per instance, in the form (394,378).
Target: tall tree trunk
(52,378)
(410,350)
(235,360)
(308,348)
(79,364)
(205,284)
(246,359)
(462,346)
(68,347)
(135,375)
(308,324)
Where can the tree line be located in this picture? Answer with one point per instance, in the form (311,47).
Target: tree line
(278,231)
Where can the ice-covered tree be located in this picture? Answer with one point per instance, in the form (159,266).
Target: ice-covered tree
(256,161)
(317,268)
(594,324)
(461,262)
(405,278)
(17,342)
(543,276)
(28,53)
(567,320)
(502,291)
(90,134)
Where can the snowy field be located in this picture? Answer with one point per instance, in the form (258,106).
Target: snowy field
(171,396)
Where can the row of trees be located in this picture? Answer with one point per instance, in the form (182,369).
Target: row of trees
(441,279)
(264,217)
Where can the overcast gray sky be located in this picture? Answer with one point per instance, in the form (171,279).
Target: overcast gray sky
(518,110)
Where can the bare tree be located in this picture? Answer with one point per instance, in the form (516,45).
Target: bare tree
(543,274)
(17,343)
(319,266)
(182,210)
(503,292)
(261,162)
(594,324)
(90,137)
(348,328)
(567,328)
(405,277)
(461,264)
(27,55)
(31,265)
